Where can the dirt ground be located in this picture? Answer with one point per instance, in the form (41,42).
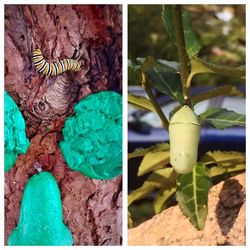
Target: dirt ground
(225,224)
(91,208)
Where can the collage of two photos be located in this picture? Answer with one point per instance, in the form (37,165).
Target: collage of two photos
(64,119)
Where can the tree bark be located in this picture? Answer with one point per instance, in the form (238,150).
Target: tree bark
(91,208)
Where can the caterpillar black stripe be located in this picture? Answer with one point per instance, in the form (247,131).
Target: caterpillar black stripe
(53,68)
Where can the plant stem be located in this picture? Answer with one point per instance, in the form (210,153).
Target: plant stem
(183,58)
(152,98)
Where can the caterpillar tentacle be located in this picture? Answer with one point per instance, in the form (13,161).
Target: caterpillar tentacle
(53,68)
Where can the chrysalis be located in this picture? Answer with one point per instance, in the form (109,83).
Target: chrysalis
(184,135)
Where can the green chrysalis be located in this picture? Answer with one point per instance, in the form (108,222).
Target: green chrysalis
(184,136)
(41,217)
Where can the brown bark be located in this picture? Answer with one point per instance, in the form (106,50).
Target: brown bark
(92,208)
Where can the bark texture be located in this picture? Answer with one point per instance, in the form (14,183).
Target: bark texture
(225,224)
(92,208)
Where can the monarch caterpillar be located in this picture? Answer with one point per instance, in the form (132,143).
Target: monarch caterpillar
(184,136)
(53,68)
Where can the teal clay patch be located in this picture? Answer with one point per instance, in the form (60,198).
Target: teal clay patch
(15,140)
(92,142)
(41,217)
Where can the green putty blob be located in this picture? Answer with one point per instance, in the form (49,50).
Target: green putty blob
(92,137)
(15,140)
(41,217)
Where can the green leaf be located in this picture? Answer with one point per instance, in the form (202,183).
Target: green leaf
(141,211)
(163,79)
(225,159)
(146,189)
(219,173)
(169,65)
(153,161)
(162,198)
(133,66)
(192,194)
(141,102)
(220,91)
(224,164)
(223,118)
(172,66)
(200,66)
(166,82)
(165,193)
(130,220)
(168,22)
(147,63)
(143,151)
(163,75)
(156,180)
(192,44)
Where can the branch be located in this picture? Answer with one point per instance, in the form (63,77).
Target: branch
(154,101)
(183,57)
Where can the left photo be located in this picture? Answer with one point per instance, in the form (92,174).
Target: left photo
(63,125)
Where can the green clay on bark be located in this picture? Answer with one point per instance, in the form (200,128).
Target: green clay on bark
(41,217)
(92,137)
(15,140)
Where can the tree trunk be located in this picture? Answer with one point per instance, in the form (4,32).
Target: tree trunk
(91,208)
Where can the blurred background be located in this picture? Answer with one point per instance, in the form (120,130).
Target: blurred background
(219,28)
(221,32)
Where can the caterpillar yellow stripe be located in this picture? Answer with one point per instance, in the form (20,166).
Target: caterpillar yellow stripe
(53,68)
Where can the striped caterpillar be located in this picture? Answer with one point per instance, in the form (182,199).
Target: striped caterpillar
(53,68)
(184,136)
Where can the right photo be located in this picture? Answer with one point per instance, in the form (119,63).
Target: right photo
(186,125)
